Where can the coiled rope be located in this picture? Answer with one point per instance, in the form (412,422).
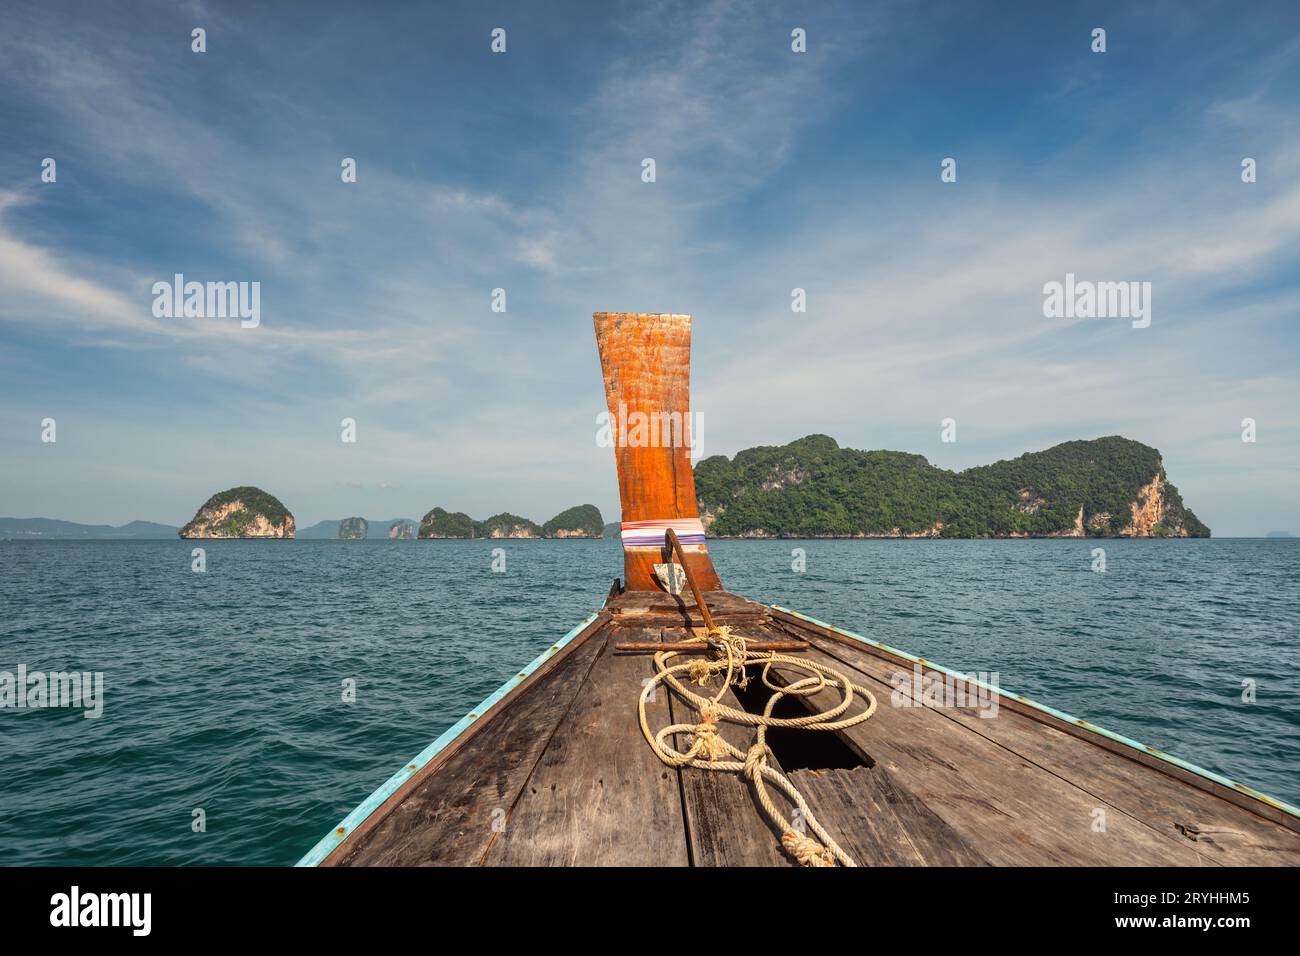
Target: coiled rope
(709,751)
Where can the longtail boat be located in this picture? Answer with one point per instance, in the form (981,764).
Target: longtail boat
(681,724)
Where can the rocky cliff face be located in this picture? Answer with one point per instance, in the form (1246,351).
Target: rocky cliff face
(506,525)
(354,529)
(244,512)
(515,531)
(400,530)
(1148,509)
(1158,511)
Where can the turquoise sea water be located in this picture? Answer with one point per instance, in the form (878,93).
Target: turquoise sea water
(223,690)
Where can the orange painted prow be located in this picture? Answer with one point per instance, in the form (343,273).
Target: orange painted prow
(646,360)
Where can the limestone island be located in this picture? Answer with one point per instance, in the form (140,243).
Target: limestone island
(354,529)
(1109,487)
(243,512)
(401,529)
(583,521)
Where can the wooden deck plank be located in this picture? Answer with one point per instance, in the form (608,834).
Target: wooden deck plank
(1012,811)
(599,796)
(447,819)
(879,822)
(1228,834)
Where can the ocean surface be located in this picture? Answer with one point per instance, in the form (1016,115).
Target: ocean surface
(223,690)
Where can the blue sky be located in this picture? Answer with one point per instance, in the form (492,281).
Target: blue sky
(522,171)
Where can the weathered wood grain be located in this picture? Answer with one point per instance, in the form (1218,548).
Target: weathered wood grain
(880,823)
(1228,834)
(599,796)
(1010,810)
(795,626)
(650,607)
(642,647)
(448,817)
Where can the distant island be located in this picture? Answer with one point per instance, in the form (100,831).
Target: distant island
(41,528)
(243,512)
(582,521)
(1279,534)
(1107,487)
(353,529)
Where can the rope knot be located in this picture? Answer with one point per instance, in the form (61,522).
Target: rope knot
(707,741)
(734,650)
(756,759)
(700,671)
(806,850)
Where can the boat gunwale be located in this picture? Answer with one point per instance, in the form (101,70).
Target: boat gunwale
(395,789)
(1240,795)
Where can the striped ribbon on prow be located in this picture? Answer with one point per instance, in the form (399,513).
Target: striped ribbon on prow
(653,535)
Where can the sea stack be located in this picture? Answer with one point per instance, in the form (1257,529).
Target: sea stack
(401,529)
(354,529)
(243,512)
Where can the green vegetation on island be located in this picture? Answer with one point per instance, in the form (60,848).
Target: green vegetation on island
(506,525)
(812,487)
(584,521)
(243,512)
(440,523)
